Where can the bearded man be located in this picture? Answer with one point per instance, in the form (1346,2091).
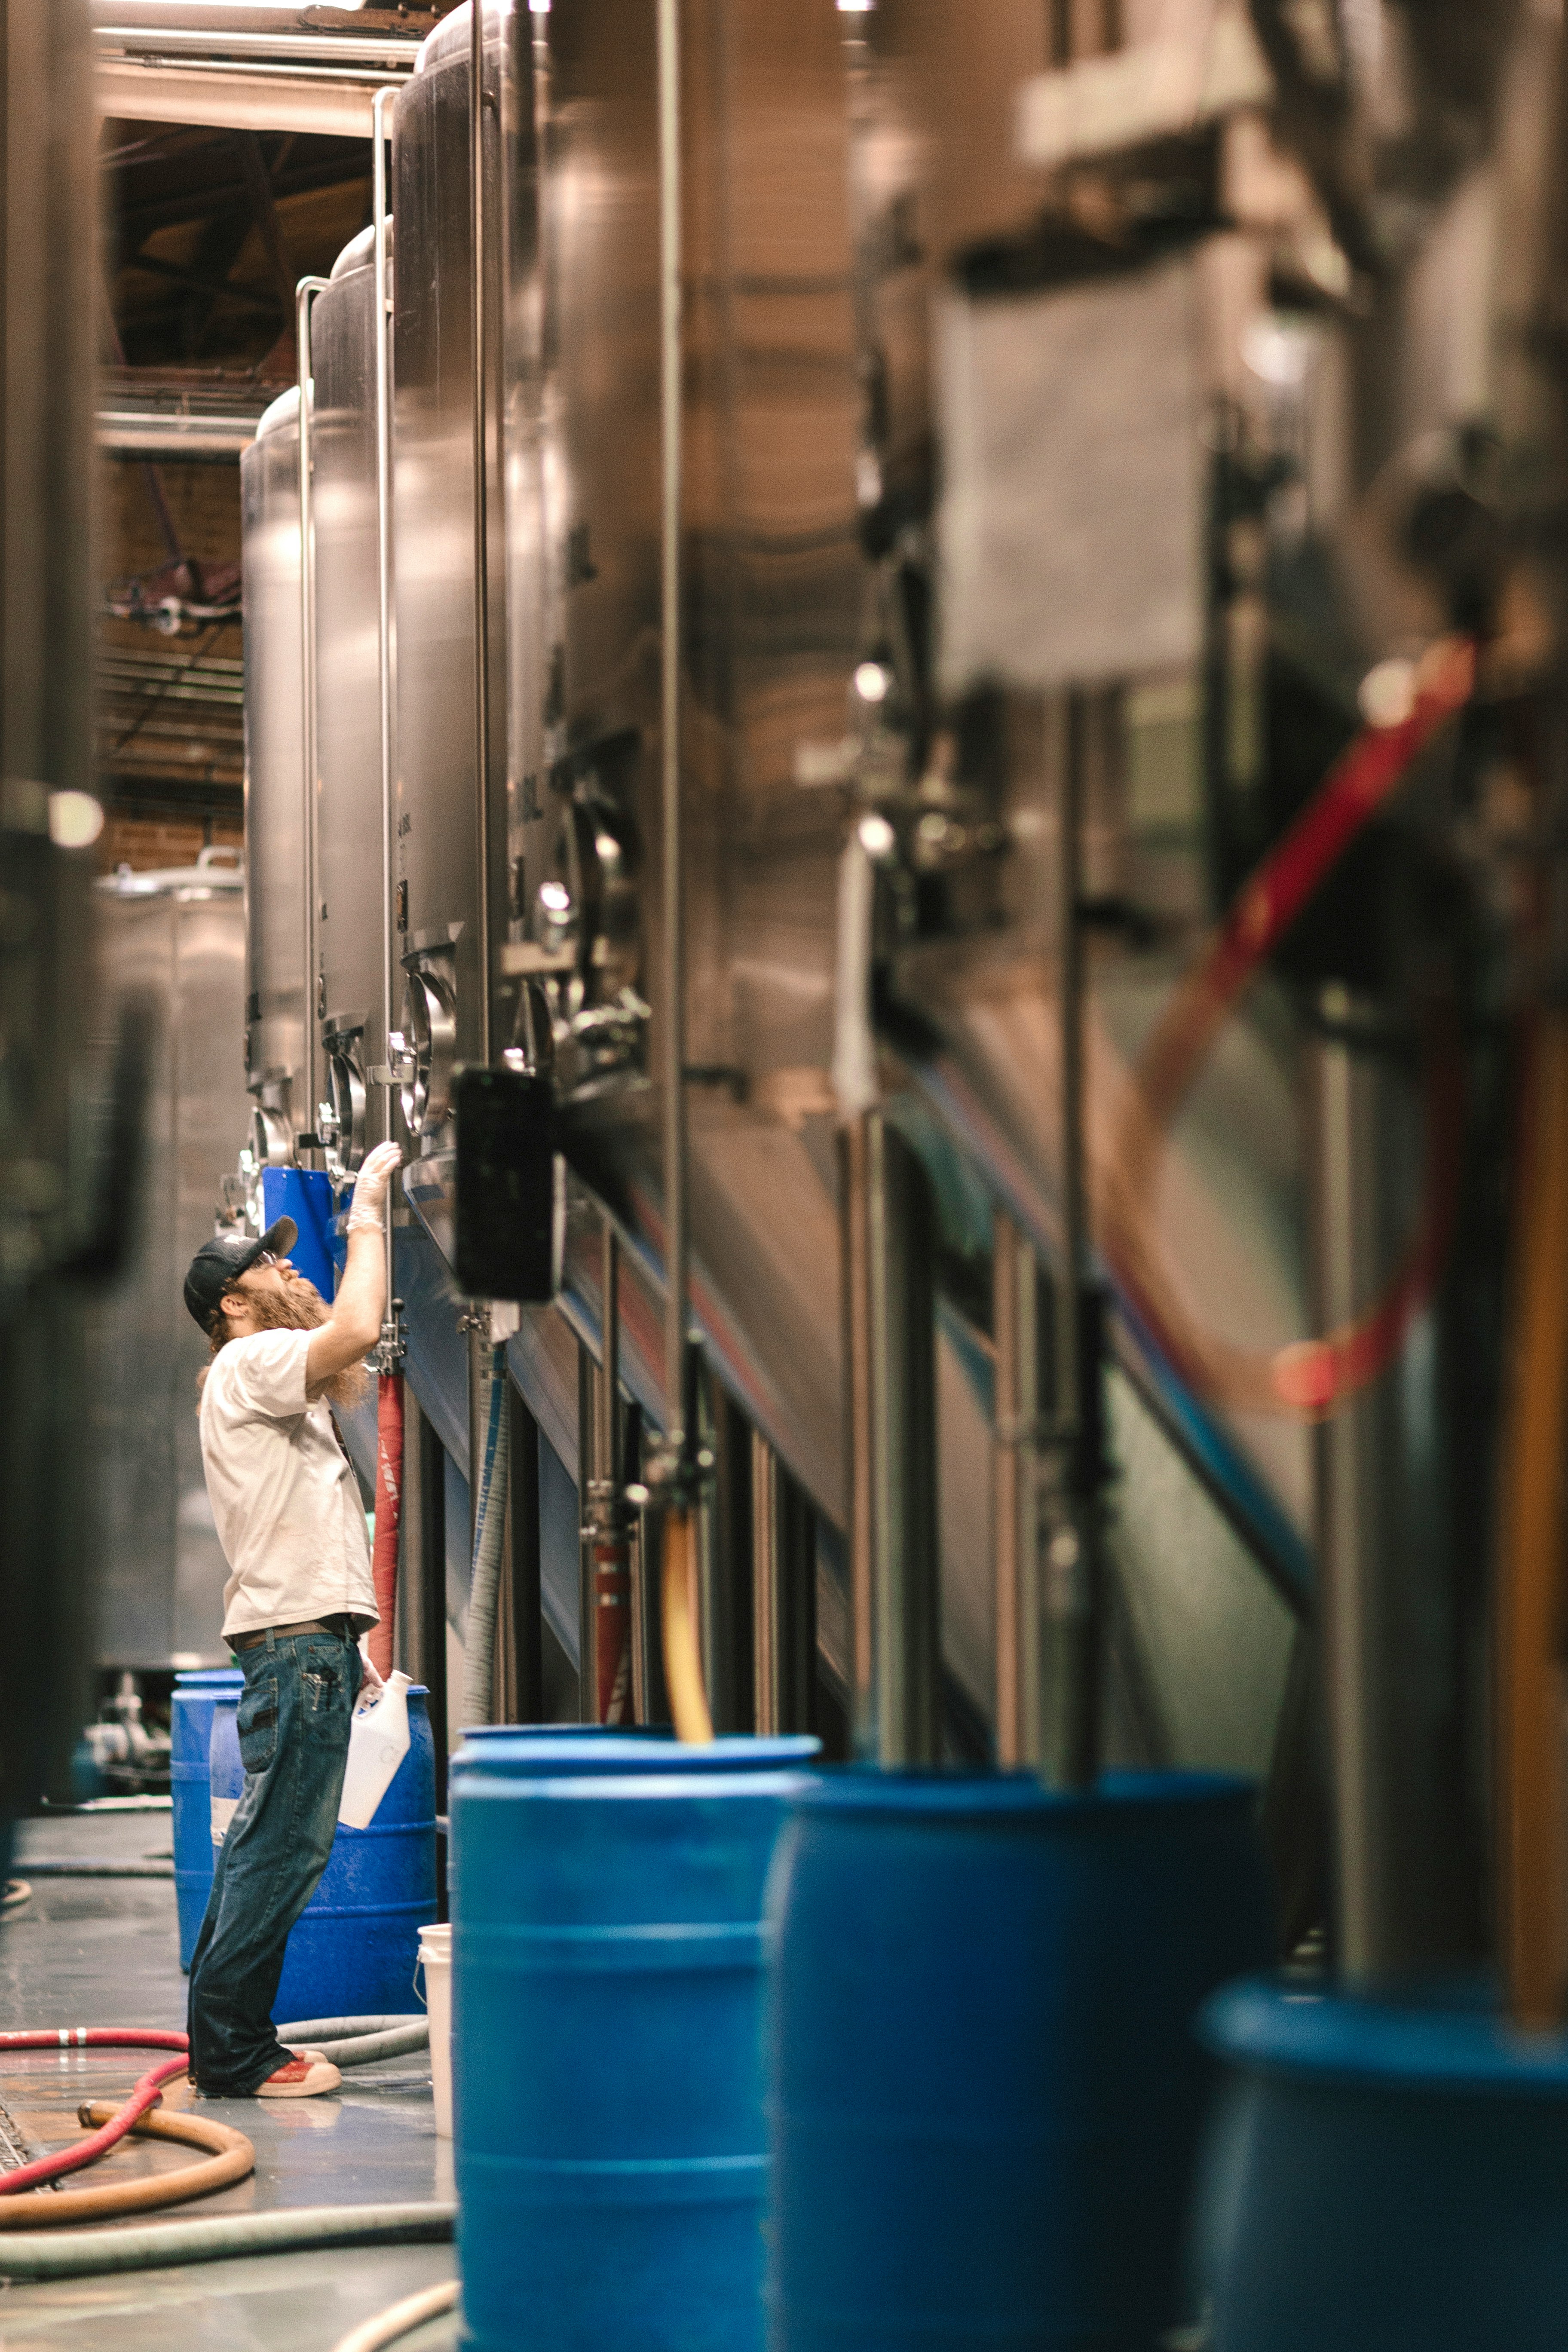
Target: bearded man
(298,1601)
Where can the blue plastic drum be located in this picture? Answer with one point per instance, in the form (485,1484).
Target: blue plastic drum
(985,2091)
(552,1757)
(1385,2176)
(607,1986)
(352,1951)
(190,1731)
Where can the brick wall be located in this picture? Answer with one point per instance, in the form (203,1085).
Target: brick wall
(146,844)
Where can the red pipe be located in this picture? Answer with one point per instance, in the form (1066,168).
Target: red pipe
(388,1514)
(147,2093)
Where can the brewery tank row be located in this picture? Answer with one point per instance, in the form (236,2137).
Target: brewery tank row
(729,615)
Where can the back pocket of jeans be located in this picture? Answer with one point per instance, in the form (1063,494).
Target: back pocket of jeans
(257,1723)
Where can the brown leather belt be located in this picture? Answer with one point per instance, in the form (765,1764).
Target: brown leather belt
(342,1626)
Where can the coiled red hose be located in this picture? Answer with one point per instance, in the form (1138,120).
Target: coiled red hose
(147,2093)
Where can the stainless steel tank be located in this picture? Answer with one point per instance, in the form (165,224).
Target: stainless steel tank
(180,938)
(781,503)
(353,1018)
(449,834)
(274,1009)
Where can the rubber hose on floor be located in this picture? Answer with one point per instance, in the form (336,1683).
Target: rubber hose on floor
(226,2155)
(489,1529)
(400,2318)
(89,2253)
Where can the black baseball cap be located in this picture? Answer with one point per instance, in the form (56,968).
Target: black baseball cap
(219,1264)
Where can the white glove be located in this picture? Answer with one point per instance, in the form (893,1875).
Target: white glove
(369,1204)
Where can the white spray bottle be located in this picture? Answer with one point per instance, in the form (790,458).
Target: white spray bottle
(378,1742)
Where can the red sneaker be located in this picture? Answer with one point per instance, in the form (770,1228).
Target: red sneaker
(304,2077)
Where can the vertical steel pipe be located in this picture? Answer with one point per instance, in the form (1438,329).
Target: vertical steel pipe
(672,1070)
(1016,1318)
(304,299)
(1395,1676)
(784,1597)
(607,1661)
(391,1341)
(890,1353)
(479,336)
(1070,1599)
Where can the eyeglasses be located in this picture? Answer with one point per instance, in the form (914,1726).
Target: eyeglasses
(265,1258)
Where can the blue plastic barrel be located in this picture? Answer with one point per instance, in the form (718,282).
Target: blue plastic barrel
(351,1953)
(190,1733)
(985,2091)
(1385,2176)
(608,1982)
(614,1754)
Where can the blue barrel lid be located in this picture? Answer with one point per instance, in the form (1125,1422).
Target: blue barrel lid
(567,1731)
(207,1678)
(640,1787)
(1458,2039)
(1005,1799)
(531,1758)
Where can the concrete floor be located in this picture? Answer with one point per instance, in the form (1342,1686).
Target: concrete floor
(105,1952)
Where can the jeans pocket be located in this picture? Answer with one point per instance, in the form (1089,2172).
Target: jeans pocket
(322,1680)
(257,1723)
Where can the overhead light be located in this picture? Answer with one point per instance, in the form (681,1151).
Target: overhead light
(76,819)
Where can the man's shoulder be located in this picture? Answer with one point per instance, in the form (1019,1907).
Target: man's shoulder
(245,1372)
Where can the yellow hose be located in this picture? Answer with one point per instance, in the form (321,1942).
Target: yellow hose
(682,1657)
(227,2157)
(1533,1825)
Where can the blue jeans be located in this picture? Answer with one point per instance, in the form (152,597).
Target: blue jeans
(294,1715)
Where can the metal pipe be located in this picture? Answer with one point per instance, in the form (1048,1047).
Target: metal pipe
(673,1055)
(784,1596)
(766,1574)
(1393,1566)
(1015,1292)
(890,1348)
(304,298)
(1069,1616)
(481,357)
(214,42)
(605,1664)
(390,1336)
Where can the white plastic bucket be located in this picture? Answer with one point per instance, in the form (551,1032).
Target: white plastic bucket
(435,1959)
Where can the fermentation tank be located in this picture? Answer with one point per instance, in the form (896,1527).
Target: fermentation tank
(179,938)
(782,619)
(350,988)
(441,814)
(275,1011)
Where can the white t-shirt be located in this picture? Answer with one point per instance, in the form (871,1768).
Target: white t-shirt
(284,1497)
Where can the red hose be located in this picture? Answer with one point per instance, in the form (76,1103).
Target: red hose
(1308,1377)
(147,2093)
(388,1514)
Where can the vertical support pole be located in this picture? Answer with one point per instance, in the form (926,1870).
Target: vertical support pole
(479,339)
(784,1596)
(1533,1808)
(1071,1571)
(677,1473)
(890,1349)
(525,1666)
(606,1662)
(1396,1697)
(724,1555)
(392,1344)
(304,302)
(1017,1324)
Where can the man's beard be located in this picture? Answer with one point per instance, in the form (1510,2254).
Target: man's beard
(298,1306)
